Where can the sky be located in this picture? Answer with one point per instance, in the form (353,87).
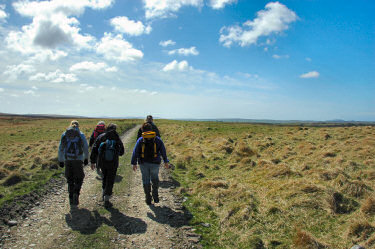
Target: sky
(189,59)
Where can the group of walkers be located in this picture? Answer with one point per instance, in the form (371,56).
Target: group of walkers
(106,148)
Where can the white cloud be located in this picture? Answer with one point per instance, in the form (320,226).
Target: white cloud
(116,48)
(14,71)
(66,7)
(312,74)
(184,51)
(52,26)
(274,19)
(308,59)
(34,88)
(276,56)
(167,43)
(3,14)
(219,4)
(167,8)
(92,66)
(177,66)
(1,90)
(30,92)
(111,69)
(55,77)
(124,25)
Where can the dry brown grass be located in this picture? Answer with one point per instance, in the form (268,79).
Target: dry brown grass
(265,180)
(360,230)
(368,205)
(305,240)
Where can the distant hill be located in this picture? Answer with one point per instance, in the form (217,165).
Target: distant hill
(335,122)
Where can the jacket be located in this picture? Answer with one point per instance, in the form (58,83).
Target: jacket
(160,149)
(96,157)
(154,128)
(81,157)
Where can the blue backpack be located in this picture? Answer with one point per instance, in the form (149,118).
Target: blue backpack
(72,143)
(108,149)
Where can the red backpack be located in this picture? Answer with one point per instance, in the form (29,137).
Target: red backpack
(99,130)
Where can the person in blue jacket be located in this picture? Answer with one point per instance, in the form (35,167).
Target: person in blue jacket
(73,152)
(147,153)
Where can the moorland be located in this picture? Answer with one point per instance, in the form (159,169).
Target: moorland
(247,185)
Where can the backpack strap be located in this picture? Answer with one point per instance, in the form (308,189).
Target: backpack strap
(155,153)
(143,150)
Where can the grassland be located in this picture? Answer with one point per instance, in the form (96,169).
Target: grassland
(267,186)
(28,151)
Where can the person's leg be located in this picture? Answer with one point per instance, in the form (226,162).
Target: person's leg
(145,170)
(154,170)
(104,170)
(78,179)
(110,180)
(70,180)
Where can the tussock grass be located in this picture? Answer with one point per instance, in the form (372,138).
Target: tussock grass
(259,182)
(368,205)
(305,240)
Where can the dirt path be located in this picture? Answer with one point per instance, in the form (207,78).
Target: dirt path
(131,223)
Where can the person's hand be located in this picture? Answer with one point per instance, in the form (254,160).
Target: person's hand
(135,167)
(166,165)
(61,164)
(85,162)
(93,166)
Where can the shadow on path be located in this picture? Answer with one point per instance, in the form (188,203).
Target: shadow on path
(125,224)
(87,222)
(118,178)
(83,220)
(168,184)
(166,215)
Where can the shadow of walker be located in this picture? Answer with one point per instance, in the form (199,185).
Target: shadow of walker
(87,222)
(82,220)
(166,215)
(125,224)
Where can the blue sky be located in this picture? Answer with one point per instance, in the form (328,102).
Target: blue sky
(292,59)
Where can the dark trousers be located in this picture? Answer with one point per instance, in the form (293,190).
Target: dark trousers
(74,175)
(109,171)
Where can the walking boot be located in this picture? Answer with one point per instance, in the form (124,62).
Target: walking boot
(71,202)
(147,190)
(103,195)
(155,191)
(107,203)
(75,199)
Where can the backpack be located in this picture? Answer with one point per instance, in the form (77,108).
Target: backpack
(108,150)
(149,151)
(72,143)
(99,129)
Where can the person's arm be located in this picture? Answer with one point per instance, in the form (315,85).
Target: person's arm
(163,153)
(94,151)
(135,154)
(121,149)
(155,128)
(85,147)
(60,155)
(139,133)
(92,139)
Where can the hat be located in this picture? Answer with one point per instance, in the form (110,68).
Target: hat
(149,118)
(111,127)
(74,123)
